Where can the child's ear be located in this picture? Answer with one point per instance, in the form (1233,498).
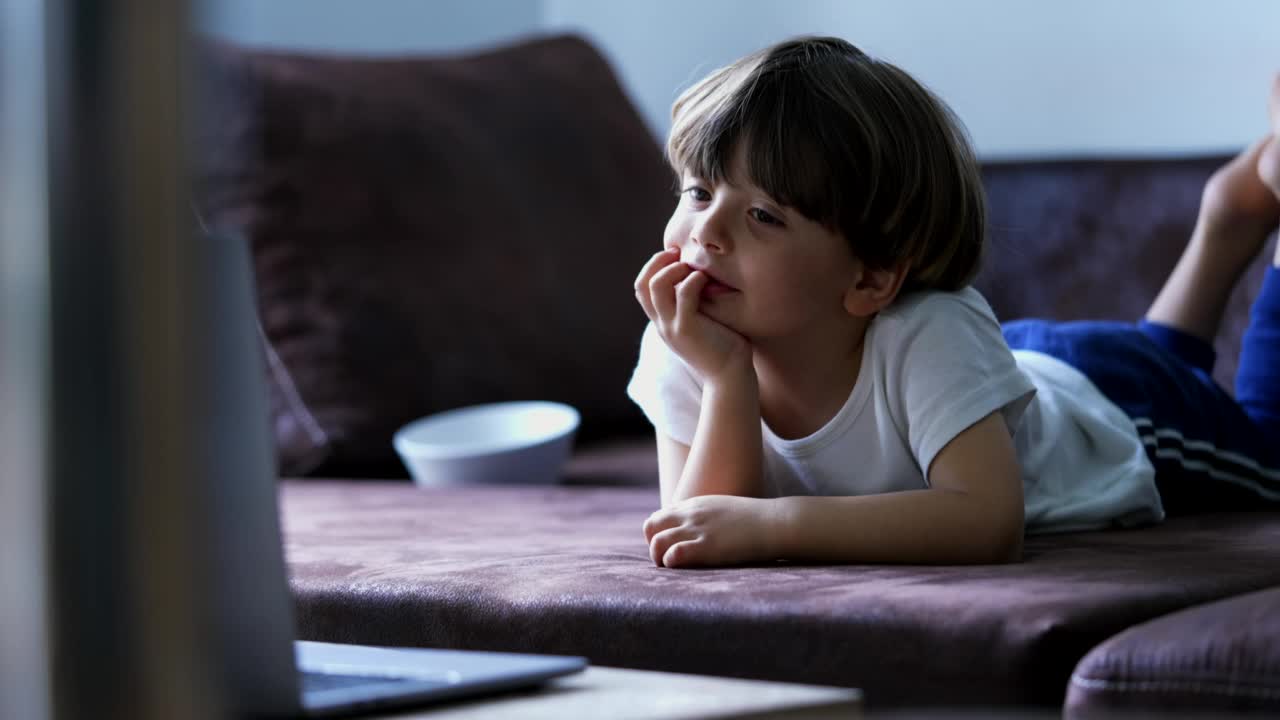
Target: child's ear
(871,291)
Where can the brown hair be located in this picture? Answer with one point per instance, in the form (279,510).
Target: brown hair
(850,142)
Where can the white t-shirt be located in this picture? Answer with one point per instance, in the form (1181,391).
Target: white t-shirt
(933,364)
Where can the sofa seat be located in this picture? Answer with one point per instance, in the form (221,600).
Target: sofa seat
(565,569)
(1212,659)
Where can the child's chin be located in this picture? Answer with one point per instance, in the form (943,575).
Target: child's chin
(720,315)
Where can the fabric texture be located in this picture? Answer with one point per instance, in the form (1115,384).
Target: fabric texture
(1209,660)
(566,570)
(1194,352)
(1084,465)
(432,232)
(1207,453)
(1258,381)
(912,396)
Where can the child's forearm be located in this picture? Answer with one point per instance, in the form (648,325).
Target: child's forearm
(924,527)
(725,457)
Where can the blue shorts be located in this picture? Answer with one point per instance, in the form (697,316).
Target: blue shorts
(1211,451)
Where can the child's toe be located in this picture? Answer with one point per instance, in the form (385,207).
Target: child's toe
(1273,104)
(1269,165)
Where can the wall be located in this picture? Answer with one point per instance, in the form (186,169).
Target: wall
(1090,77)
(1081,77)
(372,26)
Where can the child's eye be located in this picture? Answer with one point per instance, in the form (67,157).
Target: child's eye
(697,194)
(763,216)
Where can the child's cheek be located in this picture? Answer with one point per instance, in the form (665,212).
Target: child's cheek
(673,237)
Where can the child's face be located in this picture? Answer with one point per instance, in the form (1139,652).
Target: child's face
(775,273)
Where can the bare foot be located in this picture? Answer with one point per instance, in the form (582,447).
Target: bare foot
(1269,158)
(1273,104)
(1238,209)
(1269,167)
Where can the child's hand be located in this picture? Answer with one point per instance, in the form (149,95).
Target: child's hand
(712,530)
(669,291)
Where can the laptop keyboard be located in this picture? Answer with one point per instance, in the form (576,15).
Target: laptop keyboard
(318,681)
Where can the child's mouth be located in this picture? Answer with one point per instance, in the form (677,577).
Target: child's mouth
(715,288)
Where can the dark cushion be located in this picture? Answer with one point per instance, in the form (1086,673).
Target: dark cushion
(566,570)
(430,232)
(1095,239)
(1219,657)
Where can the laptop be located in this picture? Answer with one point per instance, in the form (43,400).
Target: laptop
(148,553)
(266,670)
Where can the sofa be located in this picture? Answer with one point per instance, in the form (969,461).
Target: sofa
(436,231)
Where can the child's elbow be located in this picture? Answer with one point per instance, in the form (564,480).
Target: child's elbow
(996,535)
(995,550)
(1009,550)
(1005,543)
(1007,524)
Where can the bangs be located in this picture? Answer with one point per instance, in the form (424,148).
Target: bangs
(850,142)
(792,133)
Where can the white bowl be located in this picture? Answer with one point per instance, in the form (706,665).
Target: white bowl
(509,442)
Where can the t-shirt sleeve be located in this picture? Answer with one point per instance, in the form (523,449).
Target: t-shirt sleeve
(954,368)
(665,388)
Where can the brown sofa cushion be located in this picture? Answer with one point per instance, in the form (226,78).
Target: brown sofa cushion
(388,563)
(1095,239)
(433,232)
(1215,658)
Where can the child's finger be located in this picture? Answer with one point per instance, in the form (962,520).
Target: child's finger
(662,289)
(656,262)
(653,265)
(687,296)
(645,298)
(646,304)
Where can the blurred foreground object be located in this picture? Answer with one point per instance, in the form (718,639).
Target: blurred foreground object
(24,658)
(124,614)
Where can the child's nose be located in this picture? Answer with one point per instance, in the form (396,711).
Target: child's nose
(712,234)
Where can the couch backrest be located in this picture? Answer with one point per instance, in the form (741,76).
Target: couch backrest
(431,232)
(1095,239)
